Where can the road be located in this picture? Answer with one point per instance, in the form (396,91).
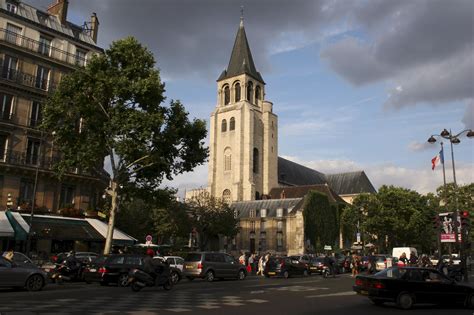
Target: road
(255,295)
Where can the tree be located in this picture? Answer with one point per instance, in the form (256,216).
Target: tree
(211,217)
(113,108)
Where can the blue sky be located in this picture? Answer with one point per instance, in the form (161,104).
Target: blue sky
(355,84)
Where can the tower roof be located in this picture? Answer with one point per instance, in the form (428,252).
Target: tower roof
(241,60)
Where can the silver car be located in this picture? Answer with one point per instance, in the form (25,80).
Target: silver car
(13,275)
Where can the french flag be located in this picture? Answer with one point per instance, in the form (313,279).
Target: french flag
(438,158)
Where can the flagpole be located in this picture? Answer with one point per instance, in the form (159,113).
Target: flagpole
(442,161)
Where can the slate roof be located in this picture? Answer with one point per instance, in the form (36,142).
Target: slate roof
(52,22)
(241,60)
(350,183)
(294,174)
(271,205)
(301,191)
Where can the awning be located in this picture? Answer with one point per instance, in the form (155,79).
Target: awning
(19,225)
(119,237)
(6,230)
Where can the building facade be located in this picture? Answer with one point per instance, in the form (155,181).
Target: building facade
(36,50)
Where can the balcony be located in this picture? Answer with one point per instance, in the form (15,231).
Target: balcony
(40,48)
(28,80)
(6,116)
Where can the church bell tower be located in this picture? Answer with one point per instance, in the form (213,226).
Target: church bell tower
(243,161)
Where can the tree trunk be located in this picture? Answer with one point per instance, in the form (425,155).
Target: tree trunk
(111,225)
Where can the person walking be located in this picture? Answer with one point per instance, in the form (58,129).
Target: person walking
(242,259)
(413,259)
(403,259)
(260,266)
(252,264)
(355,265)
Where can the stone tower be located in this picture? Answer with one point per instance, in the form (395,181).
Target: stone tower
(243,158)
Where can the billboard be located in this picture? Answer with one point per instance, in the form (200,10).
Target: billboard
(449,223)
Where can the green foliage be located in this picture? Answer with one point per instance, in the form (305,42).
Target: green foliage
(211,217)
(113,107)
(320,220)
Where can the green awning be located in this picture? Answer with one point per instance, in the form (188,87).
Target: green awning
(19,225)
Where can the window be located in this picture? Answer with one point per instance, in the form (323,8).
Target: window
(252,213)
(255,160)
(280,226)
(3,147)
(80,57)
(42,75)
(237,90)
(35,116)
(226,196)
(44,46)
(279,212)
(263,225)
(13,34)
(32,151)
(279,239)
(257,93)
(11,7)
(67,195)
(257,195)
(26,191)
(226,95)
(5,263)
(133,260)
(9,69)
(116,260)
(229,259)
(224,125)
(249,91)
(252,226)
(227,159)
(6,106)
(263,213)
(232,123)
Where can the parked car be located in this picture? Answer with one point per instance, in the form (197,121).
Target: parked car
(455,257)
(212,265)
(285,267)
(380,262)
(316,265)
(22,260)
(21,276)
(176,263)
(409,285)
(116,268)
(91,271)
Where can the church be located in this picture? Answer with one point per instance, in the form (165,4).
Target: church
(266,191)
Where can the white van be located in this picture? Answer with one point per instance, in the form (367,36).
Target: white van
(398,251)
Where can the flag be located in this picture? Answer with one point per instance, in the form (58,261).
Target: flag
(438,158)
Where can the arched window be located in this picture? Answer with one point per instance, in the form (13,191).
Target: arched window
(255,160)
(257,93)
(237,91)
(249,91)
(226,196)
(227,159)
(226,95)
(224,125)
(232,124)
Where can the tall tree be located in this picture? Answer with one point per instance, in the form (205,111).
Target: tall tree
(113,108)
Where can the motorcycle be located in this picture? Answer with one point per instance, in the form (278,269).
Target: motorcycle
(138,279)
(63,273)
(326,272)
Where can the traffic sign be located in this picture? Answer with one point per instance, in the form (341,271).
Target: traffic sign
(327,247)
(358,237)
(148,238)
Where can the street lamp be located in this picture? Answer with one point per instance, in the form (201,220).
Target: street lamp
(454,139)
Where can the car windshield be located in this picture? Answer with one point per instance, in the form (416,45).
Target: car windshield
(395,273)
(318,259)
(193,257)
(380,258)
(100,259)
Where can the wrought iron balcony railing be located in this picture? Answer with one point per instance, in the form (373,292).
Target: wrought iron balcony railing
(41,48)
(26,79)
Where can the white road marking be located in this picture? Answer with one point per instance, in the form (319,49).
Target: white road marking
(257,292)
(257,301)
(332,294)
(178,310)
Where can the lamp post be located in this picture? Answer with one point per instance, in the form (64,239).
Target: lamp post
(454,139)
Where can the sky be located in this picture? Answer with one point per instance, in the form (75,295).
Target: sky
(356,85)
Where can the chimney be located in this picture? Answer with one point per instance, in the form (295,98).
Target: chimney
(283,194)
(59,9)
(94,27)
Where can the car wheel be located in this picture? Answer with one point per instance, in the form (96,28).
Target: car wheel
(190,278)
(470,300)
(286,274)
(241,275)
(34,283)
(305,273)
(405,301)
(123,280)
(174,277)
(168,285)
(135,287)
(210,276)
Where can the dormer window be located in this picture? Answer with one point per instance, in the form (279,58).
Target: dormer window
(12,7)
(279,212)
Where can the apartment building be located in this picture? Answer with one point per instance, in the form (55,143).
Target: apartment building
(37,48)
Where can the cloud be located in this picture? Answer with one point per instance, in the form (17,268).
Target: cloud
(468,119)
(416,146)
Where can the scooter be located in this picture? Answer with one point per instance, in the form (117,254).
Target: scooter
(63,273)
(138,279)
(327,272)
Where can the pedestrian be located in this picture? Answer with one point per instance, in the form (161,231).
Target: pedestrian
(8,255)
(354,265)
(372,264)
(252,263)
(260,265)
(403,259)
(242,259)
(413,259)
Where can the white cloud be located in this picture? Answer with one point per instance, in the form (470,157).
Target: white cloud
(419,146)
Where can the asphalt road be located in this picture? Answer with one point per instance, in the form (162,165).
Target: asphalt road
(255,295)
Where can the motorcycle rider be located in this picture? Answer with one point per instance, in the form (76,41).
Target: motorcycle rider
(328,262)
(153,267)
(72,263)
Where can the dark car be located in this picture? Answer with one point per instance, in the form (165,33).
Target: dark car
(364,263)
(212,265)
(116,268)
(409,285)
(21,276)
(285,267)
(91,271)
(22,260)
(316,265)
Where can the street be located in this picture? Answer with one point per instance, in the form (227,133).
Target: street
(254,295)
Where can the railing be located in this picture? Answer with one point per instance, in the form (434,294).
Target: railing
(6,115)
(41,48)
(27,79)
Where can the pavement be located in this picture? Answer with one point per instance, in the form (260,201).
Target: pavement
(255,295)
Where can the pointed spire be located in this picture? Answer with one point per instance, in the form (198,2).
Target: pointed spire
(241,60)
(241,16)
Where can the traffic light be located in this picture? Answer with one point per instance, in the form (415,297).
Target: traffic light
(465,220)
(436,222)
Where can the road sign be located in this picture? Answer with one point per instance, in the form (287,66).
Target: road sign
(358,237)
(327,247)
(148,238)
